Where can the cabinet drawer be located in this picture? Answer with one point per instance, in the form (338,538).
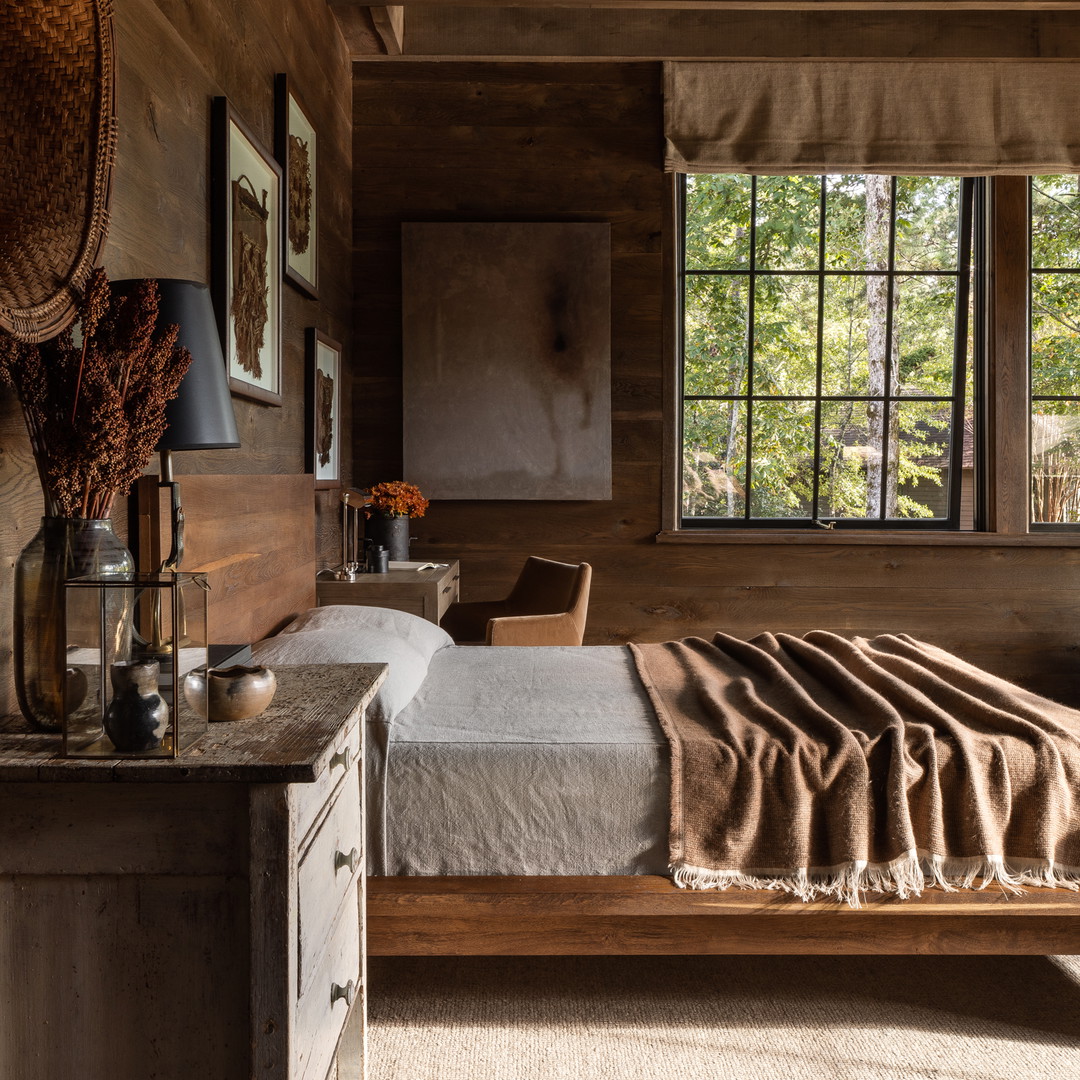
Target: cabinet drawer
(448,592)
(310,800)
(328,870)
(322,1010)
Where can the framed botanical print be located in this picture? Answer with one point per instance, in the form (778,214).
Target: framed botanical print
(296,148)
(245,197)
(324,408)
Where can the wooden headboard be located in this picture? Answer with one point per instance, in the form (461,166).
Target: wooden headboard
(254,536)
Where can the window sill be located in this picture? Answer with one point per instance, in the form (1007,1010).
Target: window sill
(880,538)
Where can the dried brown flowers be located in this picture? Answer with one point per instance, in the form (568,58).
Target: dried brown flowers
(94,397)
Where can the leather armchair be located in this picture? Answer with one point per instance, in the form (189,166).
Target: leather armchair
(548,605)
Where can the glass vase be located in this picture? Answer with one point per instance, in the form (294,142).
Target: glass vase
(62,548)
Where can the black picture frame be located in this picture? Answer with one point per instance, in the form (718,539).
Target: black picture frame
(323,411)
(296,149)
(245,200)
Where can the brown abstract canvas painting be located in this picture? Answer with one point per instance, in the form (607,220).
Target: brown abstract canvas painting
(507,359)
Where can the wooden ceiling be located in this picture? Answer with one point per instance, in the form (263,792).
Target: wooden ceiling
(705,29)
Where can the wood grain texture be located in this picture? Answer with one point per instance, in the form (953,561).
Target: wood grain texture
(649,915)
(74,947)
(425,134)
(1009,417)
(157,922)
(254,537)
(763,5)
(390,26)
(173,57)
(273,931)
(292,742)
(700,31)
(426,593)
(137,823)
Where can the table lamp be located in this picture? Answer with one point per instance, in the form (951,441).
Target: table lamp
(200,417)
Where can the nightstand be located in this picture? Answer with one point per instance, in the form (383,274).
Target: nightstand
(427,593)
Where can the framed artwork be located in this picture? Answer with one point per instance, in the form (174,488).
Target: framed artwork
(324,408)
(296,148)
(245,198)
(506,359)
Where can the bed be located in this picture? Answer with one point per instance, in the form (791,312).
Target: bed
(581,897)
(519,803)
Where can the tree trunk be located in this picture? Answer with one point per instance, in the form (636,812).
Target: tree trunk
(880,472)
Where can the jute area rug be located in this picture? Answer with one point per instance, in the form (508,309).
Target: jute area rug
(715,1018)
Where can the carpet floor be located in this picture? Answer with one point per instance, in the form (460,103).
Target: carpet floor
(724,1018)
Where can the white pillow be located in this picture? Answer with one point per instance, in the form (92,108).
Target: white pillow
(425,637)
(408,667)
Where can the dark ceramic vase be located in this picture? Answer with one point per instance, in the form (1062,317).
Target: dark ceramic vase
(391,532)
(137,716)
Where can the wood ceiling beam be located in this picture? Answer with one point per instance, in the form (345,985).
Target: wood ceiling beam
(749,5)
(390,26)
(490,33)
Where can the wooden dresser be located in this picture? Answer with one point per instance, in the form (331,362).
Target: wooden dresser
(197,918)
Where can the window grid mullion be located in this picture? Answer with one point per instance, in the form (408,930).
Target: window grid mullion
(886,405)
(890,396)
(815,510)
(748,484)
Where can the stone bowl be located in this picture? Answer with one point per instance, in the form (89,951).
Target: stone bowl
(232,693)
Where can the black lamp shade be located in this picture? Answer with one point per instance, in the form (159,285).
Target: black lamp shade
(201,416)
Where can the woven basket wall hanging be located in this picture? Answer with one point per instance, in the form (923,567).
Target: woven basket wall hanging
(58,128)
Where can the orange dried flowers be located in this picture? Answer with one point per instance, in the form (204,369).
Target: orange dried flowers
(395,498)
(94,401)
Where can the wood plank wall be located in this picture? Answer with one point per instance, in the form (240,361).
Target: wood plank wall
(173,57)
(582,142)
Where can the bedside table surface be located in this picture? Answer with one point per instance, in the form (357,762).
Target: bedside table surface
(427,593)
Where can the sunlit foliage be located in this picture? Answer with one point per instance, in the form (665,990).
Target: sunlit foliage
(790,326)
(1055,349)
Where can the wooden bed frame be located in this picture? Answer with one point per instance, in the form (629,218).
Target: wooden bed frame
(256,535)
(645,914)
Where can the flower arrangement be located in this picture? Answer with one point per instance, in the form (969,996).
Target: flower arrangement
(395,499)
(94,400)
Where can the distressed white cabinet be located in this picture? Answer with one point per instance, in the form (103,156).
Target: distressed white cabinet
(195,919)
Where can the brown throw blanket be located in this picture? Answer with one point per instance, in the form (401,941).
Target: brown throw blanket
(824,766)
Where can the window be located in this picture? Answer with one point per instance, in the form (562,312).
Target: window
(1055,351)
(828,350)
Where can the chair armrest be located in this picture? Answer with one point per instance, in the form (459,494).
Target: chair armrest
(558,629)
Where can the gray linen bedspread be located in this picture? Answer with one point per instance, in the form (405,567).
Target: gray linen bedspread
(523,761)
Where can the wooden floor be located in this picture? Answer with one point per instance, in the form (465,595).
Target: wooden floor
(522,916)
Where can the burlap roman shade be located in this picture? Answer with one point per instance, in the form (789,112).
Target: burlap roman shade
(917,117)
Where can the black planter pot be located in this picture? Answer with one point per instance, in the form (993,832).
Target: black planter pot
(392,533)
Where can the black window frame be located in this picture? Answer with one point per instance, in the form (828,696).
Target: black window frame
(968,274)
(1032,398)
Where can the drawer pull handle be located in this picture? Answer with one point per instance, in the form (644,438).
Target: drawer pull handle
(348,992)
(343,758)
(352,860)
(447,589)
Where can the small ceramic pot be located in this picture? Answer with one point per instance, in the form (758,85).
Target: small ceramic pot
(232,693)
(137,717)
